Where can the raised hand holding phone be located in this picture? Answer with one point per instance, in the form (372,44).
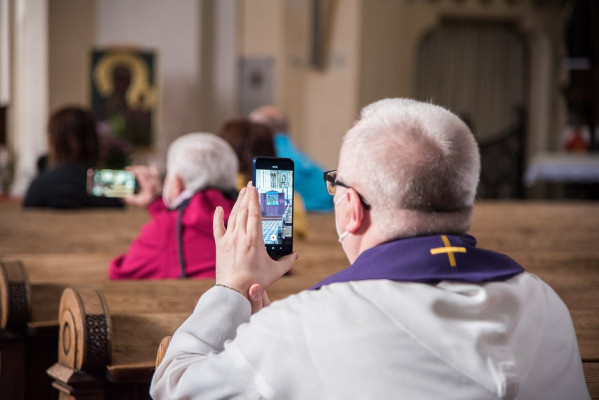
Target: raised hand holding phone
(104,182)
(273,177)
(150,184)
(241,258)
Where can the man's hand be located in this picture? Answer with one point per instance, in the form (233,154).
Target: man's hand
(241,257)
(149,182)
(258,298)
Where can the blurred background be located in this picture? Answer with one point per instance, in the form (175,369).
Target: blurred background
(523,74)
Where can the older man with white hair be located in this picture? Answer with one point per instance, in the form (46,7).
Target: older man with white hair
(421,312)
(178,242)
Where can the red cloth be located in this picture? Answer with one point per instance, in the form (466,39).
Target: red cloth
(154,254)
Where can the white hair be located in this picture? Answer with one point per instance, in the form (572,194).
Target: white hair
(203,160)
(416,163)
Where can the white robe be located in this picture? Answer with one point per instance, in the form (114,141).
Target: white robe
(379,339)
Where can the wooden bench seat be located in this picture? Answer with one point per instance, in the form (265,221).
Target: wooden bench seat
(591,373)
(52,268)
(34,334)
(61,249)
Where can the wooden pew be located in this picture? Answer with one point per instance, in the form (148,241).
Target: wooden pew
(556,241)
(591,373)
(102,352)
(35,336)
(75,251)
(571,268)
(559,242)
(131,363)
(56,248)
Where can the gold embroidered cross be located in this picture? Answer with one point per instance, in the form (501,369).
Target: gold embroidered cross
(449,249)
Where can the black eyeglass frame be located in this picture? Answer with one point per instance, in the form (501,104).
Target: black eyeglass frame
(330,180)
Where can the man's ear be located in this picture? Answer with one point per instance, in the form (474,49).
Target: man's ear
(355,211)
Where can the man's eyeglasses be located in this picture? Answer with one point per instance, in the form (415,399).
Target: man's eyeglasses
(330,178)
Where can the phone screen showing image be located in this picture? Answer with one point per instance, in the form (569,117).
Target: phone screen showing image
(273,177)
(110,182)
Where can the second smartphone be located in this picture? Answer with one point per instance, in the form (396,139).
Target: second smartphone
(273,177)
(110,182)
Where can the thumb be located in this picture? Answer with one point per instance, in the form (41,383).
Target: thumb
(285,263)
(257,297)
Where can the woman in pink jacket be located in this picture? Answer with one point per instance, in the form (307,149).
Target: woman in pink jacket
(178,241)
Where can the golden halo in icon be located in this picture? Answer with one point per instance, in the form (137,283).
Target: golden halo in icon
(139,87)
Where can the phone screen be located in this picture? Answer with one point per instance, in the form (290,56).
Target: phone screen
(273,177)
(110,182)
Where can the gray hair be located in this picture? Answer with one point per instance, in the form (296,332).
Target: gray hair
(416,163)
(203,160)
(271,116)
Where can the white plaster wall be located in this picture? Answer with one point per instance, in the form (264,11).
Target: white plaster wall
(321,103)
(219,80)
(70,37)
(332,95)
(172,30)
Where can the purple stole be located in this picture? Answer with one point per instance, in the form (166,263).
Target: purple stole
(428,259)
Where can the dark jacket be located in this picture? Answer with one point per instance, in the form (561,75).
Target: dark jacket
(64,186)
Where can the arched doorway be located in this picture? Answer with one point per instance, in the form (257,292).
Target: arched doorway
(479,71)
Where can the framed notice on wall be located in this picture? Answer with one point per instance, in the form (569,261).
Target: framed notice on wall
(123,93)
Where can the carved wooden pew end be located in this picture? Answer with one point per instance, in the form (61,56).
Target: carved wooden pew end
(15,295)
(84,330)
(162,349)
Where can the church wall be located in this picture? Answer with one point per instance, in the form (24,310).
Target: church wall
(218,57)
(388,49)
(370,53)
(321,101)
(331,101)
(389,67)
(174,33)
(76,27)
(71,34)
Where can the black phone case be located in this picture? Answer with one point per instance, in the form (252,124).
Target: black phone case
(277,251)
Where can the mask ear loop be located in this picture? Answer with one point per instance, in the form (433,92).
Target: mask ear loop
(344,234)
(339,199)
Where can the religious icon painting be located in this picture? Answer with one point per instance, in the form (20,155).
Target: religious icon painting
(123,95)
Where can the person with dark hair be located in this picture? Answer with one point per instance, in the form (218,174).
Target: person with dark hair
(73,148)
(308,174)
(250,139)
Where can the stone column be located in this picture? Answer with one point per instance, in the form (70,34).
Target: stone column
(29,108)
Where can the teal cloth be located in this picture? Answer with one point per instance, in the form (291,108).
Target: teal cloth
(309,180)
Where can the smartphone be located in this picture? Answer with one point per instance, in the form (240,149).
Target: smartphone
(110,182)
(273,177)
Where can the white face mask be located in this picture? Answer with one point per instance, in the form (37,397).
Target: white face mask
(345,233)
(176,202)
